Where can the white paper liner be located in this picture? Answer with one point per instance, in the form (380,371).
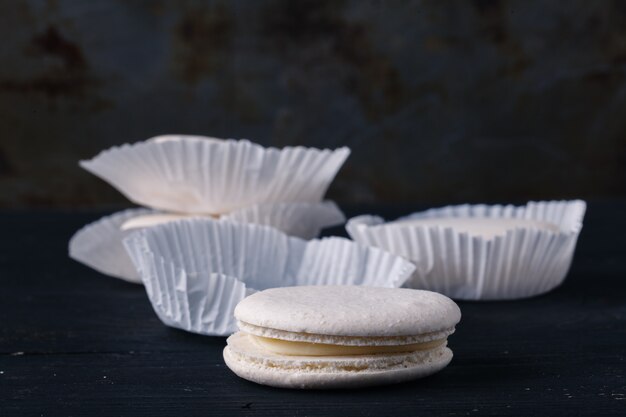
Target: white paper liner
(194,174)
(195,271)
(303,220)
(150,220)
(99,245)
(523,263)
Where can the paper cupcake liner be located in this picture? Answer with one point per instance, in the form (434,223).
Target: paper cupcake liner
(193,174)
(99,246)
(195,271)
(523,263)
(154,219)
(303,220)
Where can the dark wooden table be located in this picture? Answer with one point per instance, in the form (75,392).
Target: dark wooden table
(74,342)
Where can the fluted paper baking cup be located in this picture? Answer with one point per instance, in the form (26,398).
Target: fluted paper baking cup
(194,174)
(303,220)
(524,262)
(99,245)
(195,271)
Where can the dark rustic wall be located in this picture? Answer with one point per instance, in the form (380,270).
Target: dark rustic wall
(440,101)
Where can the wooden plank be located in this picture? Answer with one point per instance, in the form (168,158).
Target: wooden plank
(73,342)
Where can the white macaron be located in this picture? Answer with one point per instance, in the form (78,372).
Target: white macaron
(340,336)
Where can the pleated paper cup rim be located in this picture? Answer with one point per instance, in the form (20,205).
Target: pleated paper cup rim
(195,271)
(195,174)
(303,220)
(524,262)
(533,210)
(98,245)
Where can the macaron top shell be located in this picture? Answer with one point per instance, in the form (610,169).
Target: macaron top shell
(349,311)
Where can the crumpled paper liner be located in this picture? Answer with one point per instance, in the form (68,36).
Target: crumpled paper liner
(194,174)
(303,220)
(99,244)
(196,271)
(523,263)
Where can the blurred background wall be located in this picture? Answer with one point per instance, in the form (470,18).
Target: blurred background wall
(440,101)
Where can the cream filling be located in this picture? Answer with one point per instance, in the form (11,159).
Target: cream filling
(289,348)
(342,340)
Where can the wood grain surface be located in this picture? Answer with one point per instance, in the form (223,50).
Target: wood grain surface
(74,342)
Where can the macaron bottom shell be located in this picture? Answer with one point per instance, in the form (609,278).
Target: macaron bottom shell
(250,362)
